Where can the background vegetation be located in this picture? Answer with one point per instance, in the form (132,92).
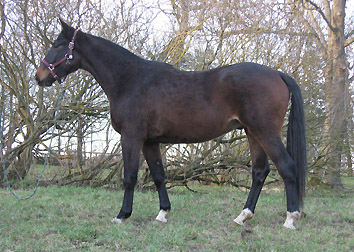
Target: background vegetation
(310,40)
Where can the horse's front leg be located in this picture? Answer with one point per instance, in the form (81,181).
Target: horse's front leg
(131,148)
(153,158)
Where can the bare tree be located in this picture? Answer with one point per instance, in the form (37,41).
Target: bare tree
(28,112)
(333,44)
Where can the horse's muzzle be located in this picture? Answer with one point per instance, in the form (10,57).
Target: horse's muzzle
(43,83)
(43,77)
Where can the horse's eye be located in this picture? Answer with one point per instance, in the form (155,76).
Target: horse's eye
(56,44)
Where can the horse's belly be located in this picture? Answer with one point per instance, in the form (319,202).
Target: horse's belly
(191,132)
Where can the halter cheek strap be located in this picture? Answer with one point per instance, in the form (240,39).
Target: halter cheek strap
(67,58)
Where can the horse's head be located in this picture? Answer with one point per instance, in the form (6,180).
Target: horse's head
(61,58)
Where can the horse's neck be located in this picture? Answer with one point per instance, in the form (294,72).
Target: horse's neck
(110,64)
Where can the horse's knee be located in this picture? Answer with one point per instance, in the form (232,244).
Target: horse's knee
(129,182)
(159,180)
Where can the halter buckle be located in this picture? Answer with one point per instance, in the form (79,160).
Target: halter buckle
(69,56)
(51,67)
(71,45)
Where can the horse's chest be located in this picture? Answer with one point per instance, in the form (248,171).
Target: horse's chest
(116,123)
(125,116)
(118,118)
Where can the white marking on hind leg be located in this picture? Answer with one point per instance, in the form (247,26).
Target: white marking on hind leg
(116,220)
(162,216)
(291,218)
(246,214)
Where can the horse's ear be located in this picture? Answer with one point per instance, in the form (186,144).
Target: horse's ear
(67,29)
(64,25)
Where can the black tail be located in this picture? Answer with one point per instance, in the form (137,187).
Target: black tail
(296,139)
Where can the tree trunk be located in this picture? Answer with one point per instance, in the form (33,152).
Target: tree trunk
(336,94)
(80,139)
(23,164)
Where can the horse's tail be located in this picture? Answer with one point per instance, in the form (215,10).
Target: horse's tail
(296,139)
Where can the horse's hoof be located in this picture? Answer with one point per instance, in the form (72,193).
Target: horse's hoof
(161,217)
(291,218)
(116,220)
(289,226)
(246,214)
(239,222)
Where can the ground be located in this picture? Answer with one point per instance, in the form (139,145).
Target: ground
(78,219)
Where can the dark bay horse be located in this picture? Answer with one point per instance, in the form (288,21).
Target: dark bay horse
(153,103)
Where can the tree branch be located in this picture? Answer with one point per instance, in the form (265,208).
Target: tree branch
(318,9)
(349,41)
(351,79)
(349,34)
(317,27)
(2,17)
(311,29)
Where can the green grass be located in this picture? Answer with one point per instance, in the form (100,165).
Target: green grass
(78,219)
(348,182)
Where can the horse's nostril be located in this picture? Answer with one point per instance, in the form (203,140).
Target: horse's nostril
(37,79)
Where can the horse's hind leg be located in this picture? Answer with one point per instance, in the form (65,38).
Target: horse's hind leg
(286,167)
(260,170)
(153,158)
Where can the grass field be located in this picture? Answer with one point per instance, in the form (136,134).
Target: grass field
(78,219)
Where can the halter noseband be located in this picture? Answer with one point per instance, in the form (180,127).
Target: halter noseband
(67,57)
